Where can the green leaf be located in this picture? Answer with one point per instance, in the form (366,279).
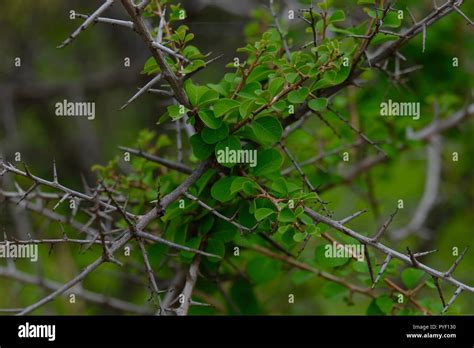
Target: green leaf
(221,189)
(299,237)
(298,96)
(312,229)
(222,88)
(411,277)
(202,182)
(223,106)
(151,67)
(337,16)
(263,213)
(260,73)
(326,258)
(249,187)
(239,183)
(341,75)
(194,92)
(250,90)
(291,77)
(232,143)
(196,64)
(318,104)
(246,108)
(200,149)
(268,161)
(373,309)
(261,269)
(192,52)
(286,215)
(391,20)
(323,83)
(280,186)
(267,130)
(308,222)
(385,303)
(276,85)
(208,97)
(177,111)
(212,136)
(207,116)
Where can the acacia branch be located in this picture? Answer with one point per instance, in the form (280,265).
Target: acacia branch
(168,74)
(80,292)
(90,20)
(384,249)
(115,22)
(169,164)
(187,292)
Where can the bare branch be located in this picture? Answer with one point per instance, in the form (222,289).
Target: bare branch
(440,291)
(170,51)
(116,22)
(87,295)
(87,22)
(384,249)
(382,270)
(168,74)
(169,164)
(142,90)
(451,301)
(464,15)
(384,227)
(456,263)
(191,279)
(352,217)
(439,126)
(354,129)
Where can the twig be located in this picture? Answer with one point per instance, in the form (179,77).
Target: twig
(384,249)
(91,19)
(187,292)
(169,164)
(142,90)
(117,22)
(384,227)
(219,215)
(280,32)
(87,295)
(360,133)
(382,270)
